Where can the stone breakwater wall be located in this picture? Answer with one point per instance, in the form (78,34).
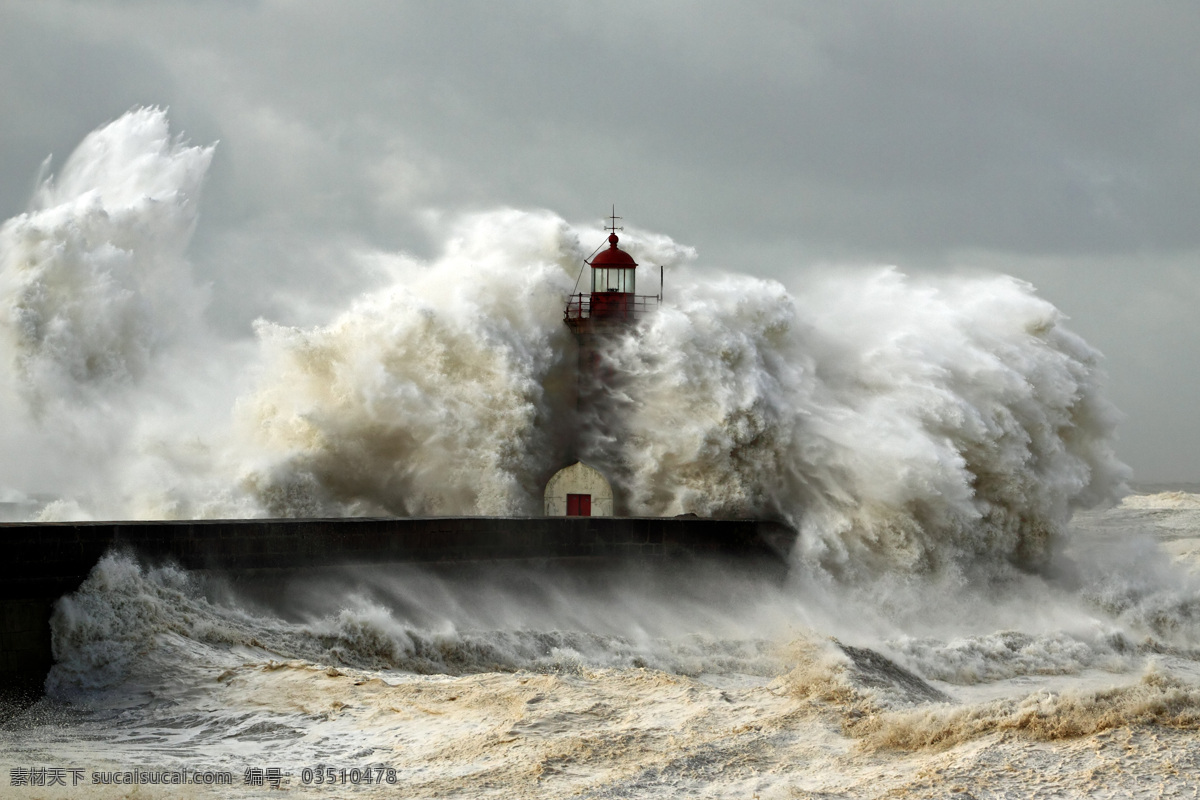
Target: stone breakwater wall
(43,561)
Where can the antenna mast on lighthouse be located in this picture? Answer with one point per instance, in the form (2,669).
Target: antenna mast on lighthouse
(613,216)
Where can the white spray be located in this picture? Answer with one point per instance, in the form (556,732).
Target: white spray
(93,280)
(444,393)
(900,424)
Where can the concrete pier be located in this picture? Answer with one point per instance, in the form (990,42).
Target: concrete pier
(44,561)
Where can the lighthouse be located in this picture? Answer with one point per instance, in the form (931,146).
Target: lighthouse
(609,310)
(612,306)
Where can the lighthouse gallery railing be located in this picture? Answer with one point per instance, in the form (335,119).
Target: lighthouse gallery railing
(583,308)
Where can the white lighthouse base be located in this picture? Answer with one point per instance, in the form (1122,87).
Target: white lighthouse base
(579,490)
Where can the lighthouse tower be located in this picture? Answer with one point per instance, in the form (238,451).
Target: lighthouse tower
(597,317)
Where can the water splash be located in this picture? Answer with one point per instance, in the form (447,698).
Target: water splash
(447,392)
(902,425)
(93,279)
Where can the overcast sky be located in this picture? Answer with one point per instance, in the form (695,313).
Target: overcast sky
(1055,141)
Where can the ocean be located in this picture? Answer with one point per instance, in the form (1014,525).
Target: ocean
(692,681)
(977,604)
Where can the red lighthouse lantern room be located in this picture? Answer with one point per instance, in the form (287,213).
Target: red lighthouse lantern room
(614,279)
(613,299)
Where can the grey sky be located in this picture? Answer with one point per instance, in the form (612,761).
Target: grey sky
(1055,141)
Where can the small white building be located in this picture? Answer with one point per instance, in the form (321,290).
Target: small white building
(578,491)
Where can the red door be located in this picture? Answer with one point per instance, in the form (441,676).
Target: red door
(579,505)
